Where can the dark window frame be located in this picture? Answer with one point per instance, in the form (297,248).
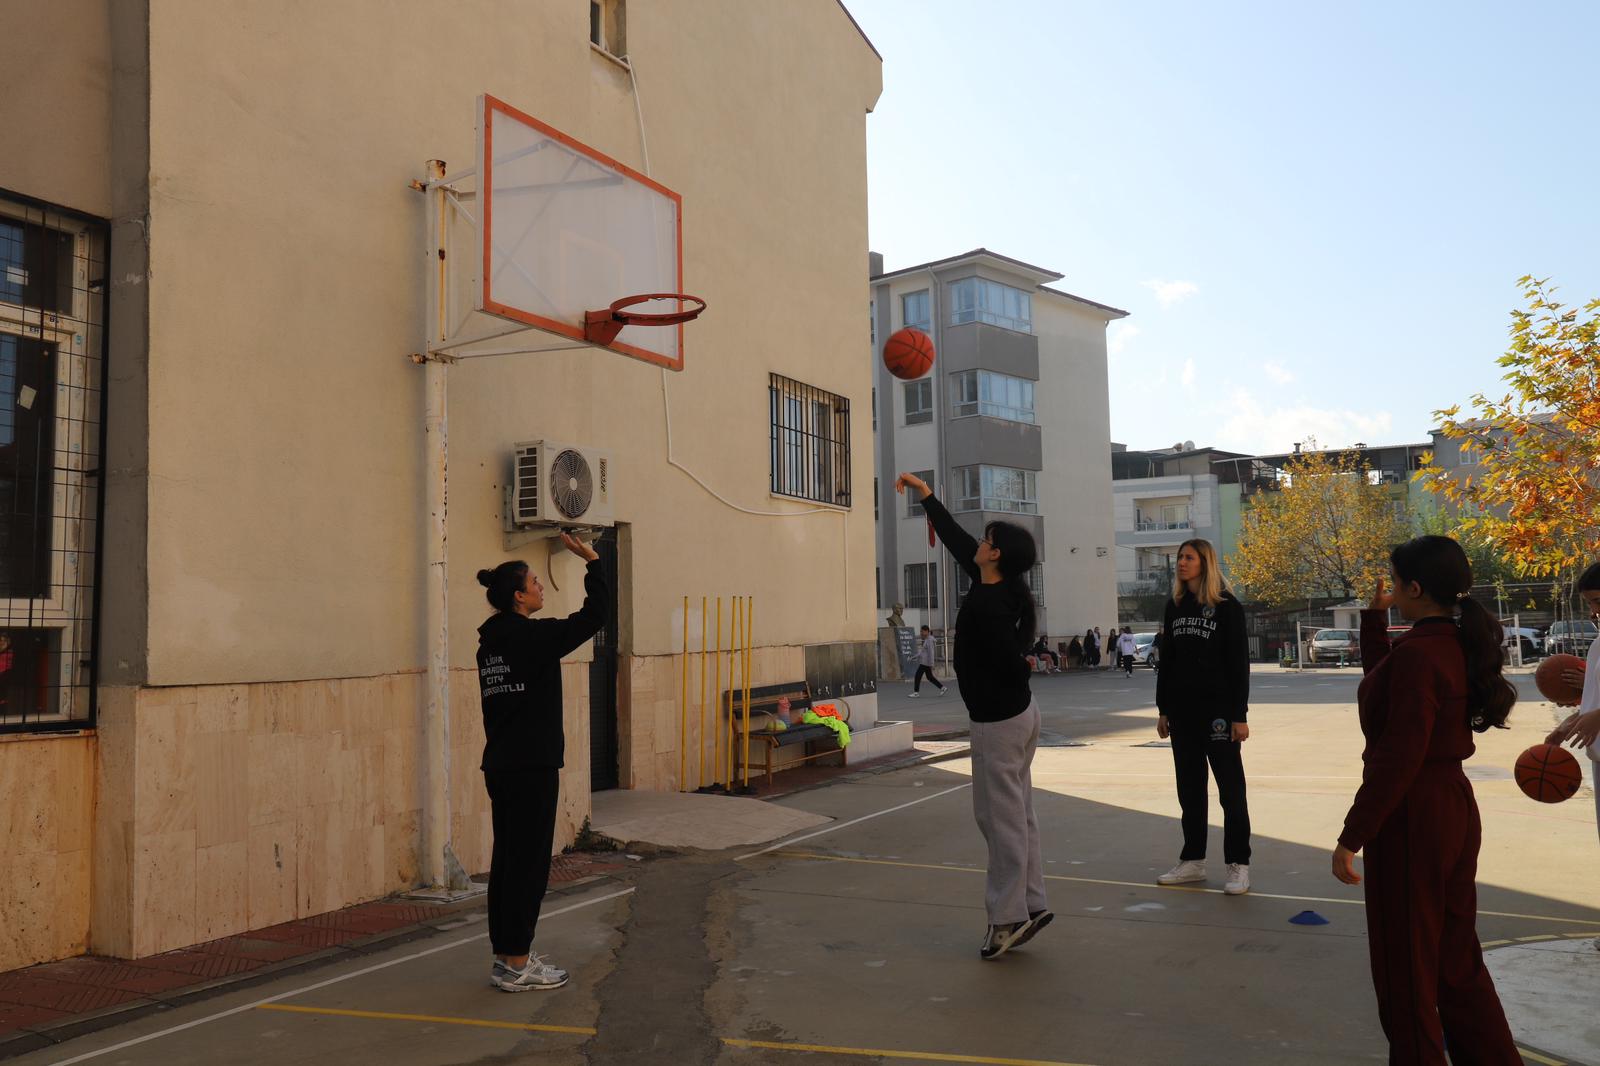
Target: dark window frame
(809,442)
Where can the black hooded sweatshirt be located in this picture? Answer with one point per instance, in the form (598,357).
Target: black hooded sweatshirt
(519,679)
(1205,661)
(990,669)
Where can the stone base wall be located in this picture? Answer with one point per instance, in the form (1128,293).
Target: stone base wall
(46,811)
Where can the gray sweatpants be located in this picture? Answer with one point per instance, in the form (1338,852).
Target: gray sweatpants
(1002,801)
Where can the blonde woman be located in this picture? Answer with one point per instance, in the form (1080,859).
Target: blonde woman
(1202,696)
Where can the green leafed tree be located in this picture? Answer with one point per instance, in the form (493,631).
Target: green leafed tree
(1326,531)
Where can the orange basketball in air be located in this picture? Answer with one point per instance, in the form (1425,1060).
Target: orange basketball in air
(908,353)
(1548,773)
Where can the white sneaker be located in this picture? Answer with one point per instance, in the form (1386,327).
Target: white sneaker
(1238,879)
(945,691)
(536,975)
(1184,873)
(914,695)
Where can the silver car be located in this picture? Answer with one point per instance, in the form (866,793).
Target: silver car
(1334,645)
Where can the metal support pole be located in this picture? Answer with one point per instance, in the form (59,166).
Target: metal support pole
(749,631)
(1299,649)
(440,869)
(700,739)
(683,704)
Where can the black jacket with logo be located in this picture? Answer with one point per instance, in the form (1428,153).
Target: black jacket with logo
(519,679)
(1205,661)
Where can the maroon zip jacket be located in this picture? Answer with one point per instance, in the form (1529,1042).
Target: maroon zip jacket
(1413,704)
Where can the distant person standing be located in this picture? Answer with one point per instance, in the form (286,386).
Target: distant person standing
(1091,650)
(1202,696)
(1074,654)
(519,681)
(925,665)
(1101,648)
(1126,646)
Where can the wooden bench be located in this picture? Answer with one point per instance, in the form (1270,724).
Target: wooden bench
(815,741)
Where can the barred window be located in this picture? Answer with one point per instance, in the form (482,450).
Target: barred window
(922,585)
(52,350)
(810,442)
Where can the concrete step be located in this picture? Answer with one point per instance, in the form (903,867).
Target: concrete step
(883,738)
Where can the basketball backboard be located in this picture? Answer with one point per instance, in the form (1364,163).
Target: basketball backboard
(565,230)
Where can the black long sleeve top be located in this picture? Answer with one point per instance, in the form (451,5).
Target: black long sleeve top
(519,679)
(991,668)
(1205,661)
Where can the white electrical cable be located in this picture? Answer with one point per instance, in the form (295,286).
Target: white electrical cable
(666,403)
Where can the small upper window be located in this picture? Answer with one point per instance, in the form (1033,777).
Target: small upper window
(608,26)
(919,401)
(914,311)
(981,300)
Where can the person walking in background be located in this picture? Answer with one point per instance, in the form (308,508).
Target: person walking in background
(1422,698)
(519,683)
(1202,698)
(925,662)
(995,629)
(1126,646)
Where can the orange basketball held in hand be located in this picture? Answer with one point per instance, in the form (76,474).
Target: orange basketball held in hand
(1548,678)
(908,353)
(1548,773)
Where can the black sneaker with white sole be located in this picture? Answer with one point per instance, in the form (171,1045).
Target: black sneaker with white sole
(1001,939)
(1036,921)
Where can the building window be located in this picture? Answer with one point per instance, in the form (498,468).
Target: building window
(872,322)
(982,300)
(608,26)
(983,392)
(1163,517)
(52,353)
(919,401)
(810,442)
(914,506)
(996,488)
(922,585)
(1471,453)
(1035,584)
(914,311)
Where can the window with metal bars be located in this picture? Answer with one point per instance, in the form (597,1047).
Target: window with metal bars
(52,356)
(810,442)
(922,585)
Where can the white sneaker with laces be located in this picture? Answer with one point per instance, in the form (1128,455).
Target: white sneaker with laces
(1184,873)
(1238,879)
(914,695)
(535,975)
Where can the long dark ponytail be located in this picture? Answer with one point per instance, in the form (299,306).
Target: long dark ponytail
(1018,553)
(1440,567)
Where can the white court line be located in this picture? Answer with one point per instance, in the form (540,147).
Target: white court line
(853,821)
(86,1056)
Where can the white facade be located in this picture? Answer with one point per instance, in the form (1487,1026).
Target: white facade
(1012,423)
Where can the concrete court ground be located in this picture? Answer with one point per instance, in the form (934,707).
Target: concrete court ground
(856,942)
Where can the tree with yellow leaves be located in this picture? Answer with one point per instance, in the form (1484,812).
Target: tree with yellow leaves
(1534,490)
(1326,531)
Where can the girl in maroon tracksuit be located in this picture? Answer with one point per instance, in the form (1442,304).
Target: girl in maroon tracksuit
(1415,816)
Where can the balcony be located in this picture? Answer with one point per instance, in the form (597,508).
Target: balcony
(1149,526)
(1145,583)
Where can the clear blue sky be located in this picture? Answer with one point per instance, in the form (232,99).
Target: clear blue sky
(1316,216)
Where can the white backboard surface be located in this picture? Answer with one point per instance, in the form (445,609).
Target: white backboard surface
(566,230)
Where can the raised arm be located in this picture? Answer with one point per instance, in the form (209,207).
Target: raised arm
(963,547)
(1375,643)
(565,635)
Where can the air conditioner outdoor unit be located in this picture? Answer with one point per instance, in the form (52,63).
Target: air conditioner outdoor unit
(556,484)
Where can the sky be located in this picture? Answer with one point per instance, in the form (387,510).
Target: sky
(1316,216)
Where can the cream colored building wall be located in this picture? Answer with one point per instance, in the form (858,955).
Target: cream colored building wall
(56,103)
(286,447)
(1075,490)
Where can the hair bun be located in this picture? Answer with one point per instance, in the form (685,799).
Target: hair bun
(485,578)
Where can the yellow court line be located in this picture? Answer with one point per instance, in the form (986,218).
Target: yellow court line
(882,1053)
(1534,1056)
(388,1016)
(1165,888)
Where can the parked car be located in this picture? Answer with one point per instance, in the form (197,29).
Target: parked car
(1334,645)
(1570,638)
(1144,650)
(1531,640)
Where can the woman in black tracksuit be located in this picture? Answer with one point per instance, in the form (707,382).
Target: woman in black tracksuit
(1203,695)
(993,631)
(519,680)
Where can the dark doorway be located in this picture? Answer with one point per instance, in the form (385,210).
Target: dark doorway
(603,745)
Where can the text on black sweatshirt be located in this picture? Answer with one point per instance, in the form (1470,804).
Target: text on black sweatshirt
(1205,661)
(519,679)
